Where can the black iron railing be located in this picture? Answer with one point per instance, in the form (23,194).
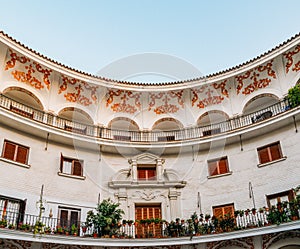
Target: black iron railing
(143,136)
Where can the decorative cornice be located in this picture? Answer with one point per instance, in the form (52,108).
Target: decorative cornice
(177,85)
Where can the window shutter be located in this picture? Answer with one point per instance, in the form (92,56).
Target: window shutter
(275,151)
(22,155)
(74,218)
(9,150)
(229,210)
(218,211)
(151,174)
(63,217)
(142,174)
(77,168)
(223,166)
(213,168)
(61,162)
(138,214)
(157,213)
(263,155)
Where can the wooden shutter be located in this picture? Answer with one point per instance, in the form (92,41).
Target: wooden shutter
(74,218)
(141,174)
(151,173)
(77,168)
(9,150)
(223,166)
(275,151)
(263,155)
(22,155)
(63,218)
(61,162)
(138,214)
(218,211)
(228,210)
(213,168)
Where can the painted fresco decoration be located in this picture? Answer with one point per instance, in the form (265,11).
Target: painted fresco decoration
(123,101)
(75,91)
(27,71)
(246,243)
(166,102)
(256,78)
(290,60)
(212,95)
(271,238)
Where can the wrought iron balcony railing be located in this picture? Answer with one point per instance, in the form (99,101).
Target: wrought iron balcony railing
(142,136)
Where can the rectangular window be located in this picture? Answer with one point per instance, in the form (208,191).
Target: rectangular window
(218,166)
(146,172)
(71,166)
(269,153)
(273,199)
(227,209)
(12,209)
(68,216)
(15,152)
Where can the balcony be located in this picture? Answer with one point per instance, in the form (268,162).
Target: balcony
(156,137)
(196,229)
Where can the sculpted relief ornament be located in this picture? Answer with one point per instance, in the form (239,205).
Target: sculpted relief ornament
(76,89)
(27,71)
(148,194)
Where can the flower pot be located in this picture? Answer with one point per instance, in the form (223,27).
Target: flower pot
(95,235)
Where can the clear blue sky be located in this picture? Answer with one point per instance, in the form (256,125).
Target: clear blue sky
(211,35)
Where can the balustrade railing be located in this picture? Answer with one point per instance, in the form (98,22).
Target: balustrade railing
(161,229)
(144,136)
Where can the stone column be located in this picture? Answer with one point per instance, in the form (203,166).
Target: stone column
(174,207)
(133,169)
(159,169)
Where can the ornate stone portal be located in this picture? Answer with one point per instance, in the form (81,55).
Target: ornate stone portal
(163,189)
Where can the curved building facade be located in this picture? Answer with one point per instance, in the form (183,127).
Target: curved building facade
(214,145)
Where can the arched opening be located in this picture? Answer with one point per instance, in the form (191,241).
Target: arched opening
(164,129)
(167,124)
(23,97)
(75,115)
(212,117)
(124,129)
(123,123)
(75,120)
(260,102)
(213,122)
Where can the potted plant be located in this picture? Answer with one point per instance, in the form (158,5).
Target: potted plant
(47,230)
(207,216)
(74,230)
(107,216)
(38,228)
(66,230)
(3,223)
(253,211)
(129,222)
(83,227)
(59,230)
(294,96)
